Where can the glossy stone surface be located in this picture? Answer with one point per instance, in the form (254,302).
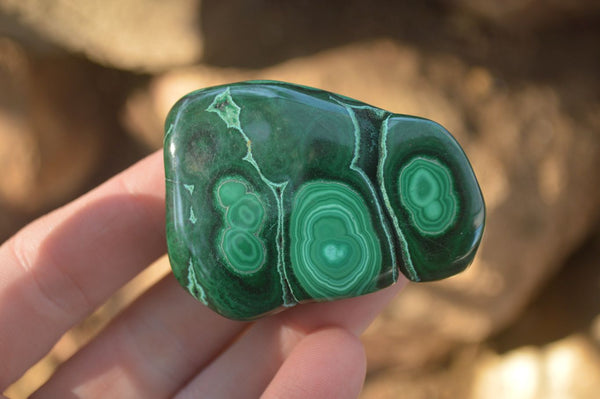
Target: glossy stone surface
(279,194)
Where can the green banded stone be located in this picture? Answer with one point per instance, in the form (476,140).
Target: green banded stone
(334,250)
(279,194)
(426,191)
(240,246)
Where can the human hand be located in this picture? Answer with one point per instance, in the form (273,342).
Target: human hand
(61,267)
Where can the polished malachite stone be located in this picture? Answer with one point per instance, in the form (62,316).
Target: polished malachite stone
(279,194)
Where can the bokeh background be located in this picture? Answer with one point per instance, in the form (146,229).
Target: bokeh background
(85,87)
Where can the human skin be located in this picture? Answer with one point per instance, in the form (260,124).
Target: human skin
(61,267)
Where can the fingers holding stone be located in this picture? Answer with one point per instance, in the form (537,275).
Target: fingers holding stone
(328,363)
(253,360)
(353,314)
(61,267)
(166,338)
(149,351)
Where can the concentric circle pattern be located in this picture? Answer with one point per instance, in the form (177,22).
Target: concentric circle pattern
(239,244)
(334,249)
(427,193)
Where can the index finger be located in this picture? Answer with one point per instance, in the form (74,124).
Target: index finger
(62,266)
